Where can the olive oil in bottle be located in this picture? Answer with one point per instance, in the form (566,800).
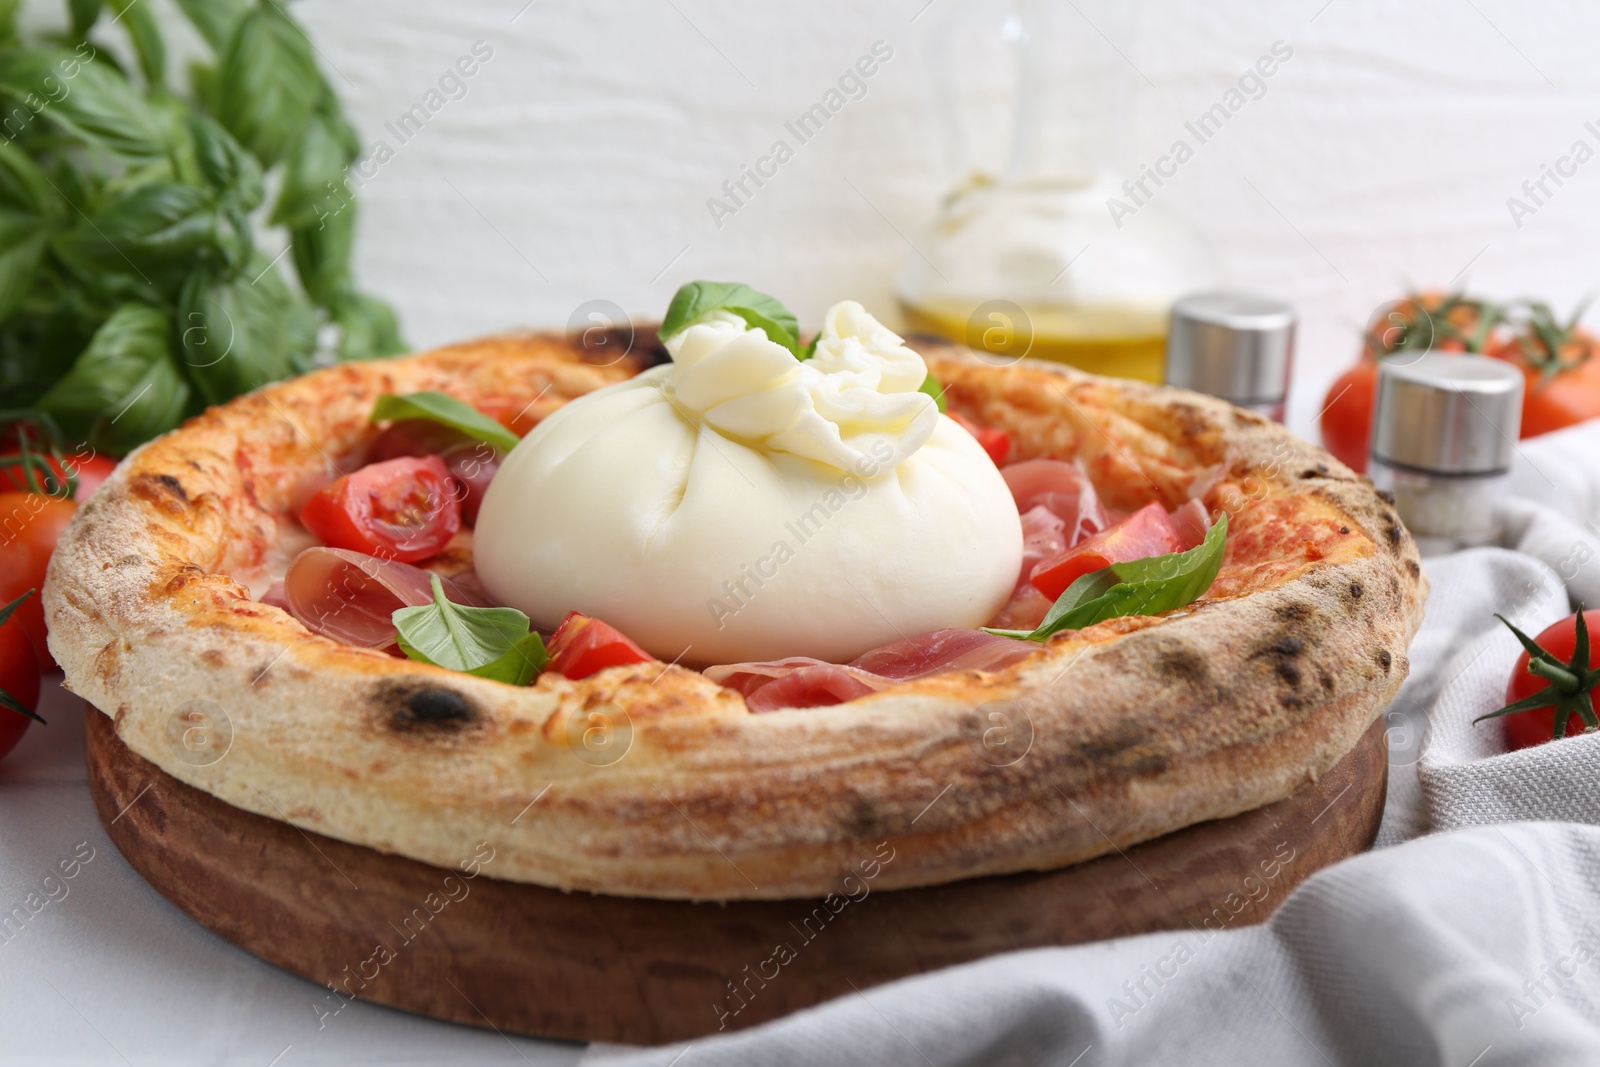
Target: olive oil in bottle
(1123,341)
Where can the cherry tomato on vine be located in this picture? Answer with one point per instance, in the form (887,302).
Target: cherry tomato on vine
(1560,683)
(19,676)
(30,525)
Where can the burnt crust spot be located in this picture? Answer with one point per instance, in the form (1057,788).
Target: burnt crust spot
(1386,496)
(1355,590)
(1294,611)
(1115,741)
(1384,659)
(1391,530)
(865,819)
(1414,567)
(1183,664)
(410,707)
(1289,646)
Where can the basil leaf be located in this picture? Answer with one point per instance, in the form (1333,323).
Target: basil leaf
(23,185)
(322,255)
(447,411)
(125,388)
(931,386)
(313,175)
(150,229)
(203,84)
(491,643)
(140,21)
(367,327)
(87,98)
(22,244)
(697,299)
(236,335)
(1146,586)
(223,164)
(268,83)
(521,663)
(215,19)
(84,13)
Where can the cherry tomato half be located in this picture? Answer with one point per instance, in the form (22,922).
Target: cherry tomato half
(1525,729)
(1147,532)
(472,463)
(19,677)
(403,509)
(30,525)
(581,646)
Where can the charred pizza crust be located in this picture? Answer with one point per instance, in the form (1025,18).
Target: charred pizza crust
(651,780)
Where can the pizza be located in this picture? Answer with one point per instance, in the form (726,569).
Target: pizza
(178,600)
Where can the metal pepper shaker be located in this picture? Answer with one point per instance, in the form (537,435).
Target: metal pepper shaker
(1237,346)
(1444,428)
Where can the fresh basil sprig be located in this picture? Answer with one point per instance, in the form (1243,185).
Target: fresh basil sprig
(1146,586)
(493,643)
(121,188)
(933,388)
(447,411)
(696,299)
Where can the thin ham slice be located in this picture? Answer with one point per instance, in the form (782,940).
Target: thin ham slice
(1191,519)
(795,682)
(1063,489)
(350,596)
(937,651)
(803,682)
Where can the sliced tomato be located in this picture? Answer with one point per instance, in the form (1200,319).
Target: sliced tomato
(403,509)
(472,463)
(1147,532)
(995,442)
(582,646)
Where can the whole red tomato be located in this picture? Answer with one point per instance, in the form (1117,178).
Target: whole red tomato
(1561,365)
(89,468)
(1536,725)
(19,679)
(1347,415)
(30,525)
(1414,325)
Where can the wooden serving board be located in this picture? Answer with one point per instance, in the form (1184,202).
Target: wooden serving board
(579,966)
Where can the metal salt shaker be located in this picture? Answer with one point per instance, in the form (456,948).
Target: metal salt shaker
(1237,346)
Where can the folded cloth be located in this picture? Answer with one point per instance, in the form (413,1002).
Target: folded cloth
(1557,469)
(1461,660)
(1480,947)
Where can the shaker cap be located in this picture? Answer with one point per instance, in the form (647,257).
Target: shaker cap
(1447,414)
(1237,346)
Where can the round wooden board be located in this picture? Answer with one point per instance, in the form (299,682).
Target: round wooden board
(574,965)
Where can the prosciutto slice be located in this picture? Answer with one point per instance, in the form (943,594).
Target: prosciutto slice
(795,682)
(803,682)
(350,596)
(1061,488)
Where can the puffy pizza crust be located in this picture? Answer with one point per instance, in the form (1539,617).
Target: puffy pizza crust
(652,781)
